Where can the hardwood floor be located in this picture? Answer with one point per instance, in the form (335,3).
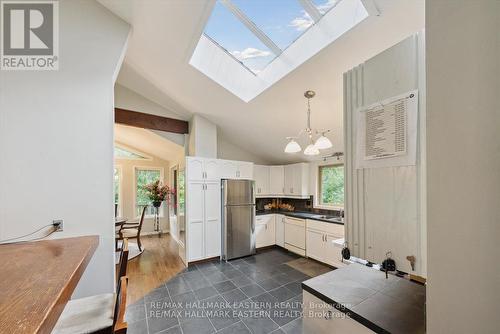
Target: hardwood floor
(157,264)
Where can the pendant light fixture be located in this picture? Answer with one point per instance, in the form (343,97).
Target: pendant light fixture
(322,142)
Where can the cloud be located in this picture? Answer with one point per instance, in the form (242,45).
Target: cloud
(302,23)
(305,21)
(250,53)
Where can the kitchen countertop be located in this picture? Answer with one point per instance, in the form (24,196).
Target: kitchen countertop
(393,305)
(300,214)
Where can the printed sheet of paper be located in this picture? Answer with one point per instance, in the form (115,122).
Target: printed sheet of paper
(387,129)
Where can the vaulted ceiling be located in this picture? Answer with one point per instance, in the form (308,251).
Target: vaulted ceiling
(165,33)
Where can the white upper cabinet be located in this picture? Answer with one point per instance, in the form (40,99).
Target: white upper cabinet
(297,180)
(228,169)
(261,176)
(245,170)
(276,180)
(201,169)
(235,169)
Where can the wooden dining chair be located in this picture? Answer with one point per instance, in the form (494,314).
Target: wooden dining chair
(95,314)
(122,264)
(133,230)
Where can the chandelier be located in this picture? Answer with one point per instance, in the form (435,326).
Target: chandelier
(313,148)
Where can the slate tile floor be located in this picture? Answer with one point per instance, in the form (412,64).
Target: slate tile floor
(260,294)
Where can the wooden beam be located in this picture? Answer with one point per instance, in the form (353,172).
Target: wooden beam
(148,121)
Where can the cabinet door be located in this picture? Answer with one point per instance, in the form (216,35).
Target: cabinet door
(280,230)
(211,170)
(289,179)
(195,207)
(276,180)
(213,236)
(298,179)
(228,169)
(315,245)
(260,235)
(333,254)
(195,169)
(245,170)
(261,177)
(271,231)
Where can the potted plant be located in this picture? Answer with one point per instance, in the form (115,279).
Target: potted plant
(158,193)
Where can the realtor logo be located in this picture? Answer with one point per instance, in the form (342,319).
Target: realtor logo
(30,35)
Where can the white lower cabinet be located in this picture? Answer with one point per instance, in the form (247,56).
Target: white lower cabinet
(320,317)
(320,242)
(265,231)
(295,235)
(280,230)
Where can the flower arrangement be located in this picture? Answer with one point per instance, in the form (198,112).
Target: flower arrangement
(158,193)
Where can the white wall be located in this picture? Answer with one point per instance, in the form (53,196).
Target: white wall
(202,138)
(385,207)
(56,139)
(229,151)
(463,169)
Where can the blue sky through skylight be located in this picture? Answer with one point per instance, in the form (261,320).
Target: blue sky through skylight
(224,28)
(283,21)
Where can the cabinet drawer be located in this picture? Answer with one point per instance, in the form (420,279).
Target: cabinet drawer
(264,219)
(334,229)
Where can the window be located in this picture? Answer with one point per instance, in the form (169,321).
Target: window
(123,153)
(117,186)
(182,193)
(331,185)
(143,177)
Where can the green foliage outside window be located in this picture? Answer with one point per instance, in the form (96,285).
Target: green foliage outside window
(331,185)
(143,178)
(182,196)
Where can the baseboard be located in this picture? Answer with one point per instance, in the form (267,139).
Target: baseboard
(204,260)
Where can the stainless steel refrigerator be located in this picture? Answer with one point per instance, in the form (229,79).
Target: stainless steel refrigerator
(238,218)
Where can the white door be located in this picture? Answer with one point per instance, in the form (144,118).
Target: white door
(228,169)
(276,180)
(245,170)
(289,179)
(315,245)
(280,230)
(195,169)
(211,170)
(212,220)
(195,214)
(261,177)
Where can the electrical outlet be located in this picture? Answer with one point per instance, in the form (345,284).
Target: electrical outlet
(58,224)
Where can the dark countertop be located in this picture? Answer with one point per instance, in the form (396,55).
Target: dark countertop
(393,305)
(300,214)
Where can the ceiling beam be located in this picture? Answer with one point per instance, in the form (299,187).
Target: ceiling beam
(311,9)
(152,122)
(252,27)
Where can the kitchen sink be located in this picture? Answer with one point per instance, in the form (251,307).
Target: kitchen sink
(333,218)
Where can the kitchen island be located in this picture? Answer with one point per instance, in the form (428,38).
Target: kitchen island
(360,299)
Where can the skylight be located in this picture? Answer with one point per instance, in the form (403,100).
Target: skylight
(248,45)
